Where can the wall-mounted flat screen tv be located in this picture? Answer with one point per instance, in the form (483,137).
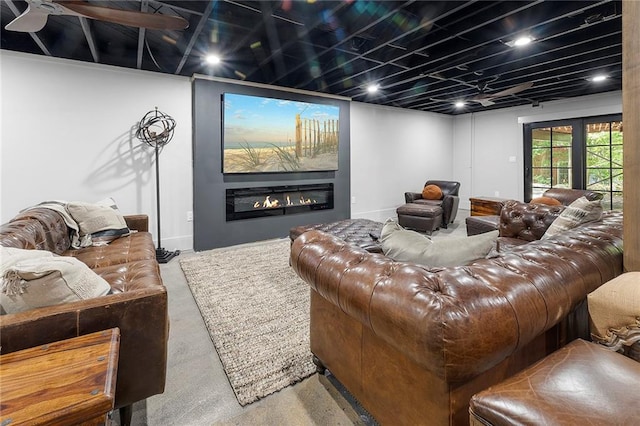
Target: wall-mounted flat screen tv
(265,135)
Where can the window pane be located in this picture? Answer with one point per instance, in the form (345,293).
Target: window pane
(541,157)
(541,177)
(606,200)
(617,201)
(598,156)
(599,138)
(616,131)
(541,138)
(596,178)
(562,136)
(561,157)
(561,178)
(616,156)
(616,179)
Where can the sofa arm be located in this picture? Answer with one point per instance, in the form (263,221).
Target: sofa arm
(141,315)
(137,222)
(410,197)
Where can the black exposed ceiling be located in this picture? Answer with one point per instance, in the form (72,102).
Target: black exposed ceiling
(424,55)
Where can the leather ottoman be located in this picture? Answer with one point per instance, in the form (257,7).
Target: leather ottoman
(582,383)
(481,224)
(363,233)
(421,217)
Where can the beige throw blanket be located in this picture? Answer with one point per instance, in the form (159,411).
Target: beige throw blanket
(60,207)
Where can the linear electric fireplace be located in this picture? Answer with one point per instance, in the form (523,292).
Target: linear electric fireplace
(247,203)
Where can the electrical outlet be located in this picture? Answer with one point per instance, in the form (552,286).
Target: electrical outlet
(189,216)
(496,193)
(353,200)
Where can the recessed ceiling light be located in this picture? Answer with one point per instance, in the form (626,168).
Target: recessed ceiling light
(373,88)
(212,59)
(520,41)
(523,41)
(459,104)
(598,78)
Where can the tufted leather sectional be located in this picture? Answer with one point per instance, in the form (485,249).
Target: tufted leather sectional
(481,224)
(138,305)
(413,344)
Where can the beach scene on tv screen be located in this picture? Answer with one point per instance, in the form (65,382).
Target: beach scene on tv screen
(262,134)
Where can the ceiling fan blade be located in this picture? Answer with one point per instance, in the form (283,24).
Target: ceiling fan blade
(126,17)
(511,91)
(32,20)
(485,102)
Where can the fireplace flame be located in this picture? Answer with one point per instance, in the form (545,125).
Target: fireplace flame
(268,203)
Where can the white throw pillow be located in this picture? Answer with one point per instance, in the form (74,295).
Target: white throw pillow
(102,220)
(35,278)
(579,212)
(409,246)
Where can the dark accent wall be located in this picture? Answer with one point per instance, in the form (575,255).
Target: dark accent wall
(210,228)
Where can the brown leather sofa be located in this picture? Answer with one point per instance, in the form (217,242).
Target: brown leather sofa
(449,202)
(481,224)
(138,305)
(413,344)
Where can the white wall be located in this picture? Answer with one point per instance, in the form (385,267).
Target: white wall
(68,133)
(488,146)
(395,150)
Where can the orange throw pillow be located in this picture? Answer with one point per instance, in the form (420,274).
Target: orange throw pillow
(432,192)
(546,200)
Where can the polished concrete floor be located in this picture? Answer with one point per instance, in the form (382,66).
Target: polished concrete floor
(197,390)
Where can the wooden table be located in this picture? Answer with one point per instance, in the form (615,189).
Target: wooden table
(63,383)
(486,206)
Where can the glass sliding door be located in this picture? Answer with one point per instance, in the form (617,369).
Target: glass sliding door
(551,158)
(577,153)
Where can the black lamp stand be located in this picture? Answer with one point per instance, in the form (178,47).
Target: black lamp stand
(162,255)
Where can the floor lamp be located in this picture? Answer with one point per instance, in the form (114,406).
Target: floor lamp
(156,130)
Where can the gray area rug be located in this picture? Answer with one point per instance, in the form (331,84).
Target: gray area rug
(257,312)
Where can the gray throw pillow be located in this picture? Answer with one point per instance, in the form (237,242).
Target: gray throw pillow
(32,279)
(579,212)
(102,220)
(409,246)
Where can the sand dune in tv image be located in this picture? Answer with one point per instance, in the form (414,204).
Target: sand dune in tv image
(263,135)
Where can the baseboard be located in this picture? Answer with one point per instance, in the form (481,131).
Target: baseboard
(181,243)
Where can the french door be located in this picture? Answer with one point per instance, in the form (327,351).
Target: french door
(583,153)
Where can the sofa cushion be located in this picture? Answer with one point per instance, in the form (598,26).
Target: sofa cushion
(546,200)
(102,220)
(615,305)
(579,212)
(432,192)
(36,278)
(408,246)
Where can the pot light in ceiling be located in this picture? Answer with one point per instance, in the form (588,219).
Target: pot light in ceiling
(212,59)
(598,78)
(373,88)
(459,104)
(520,41)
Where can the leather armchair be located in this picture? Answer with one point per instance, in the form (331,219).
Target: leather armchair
(449,201)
